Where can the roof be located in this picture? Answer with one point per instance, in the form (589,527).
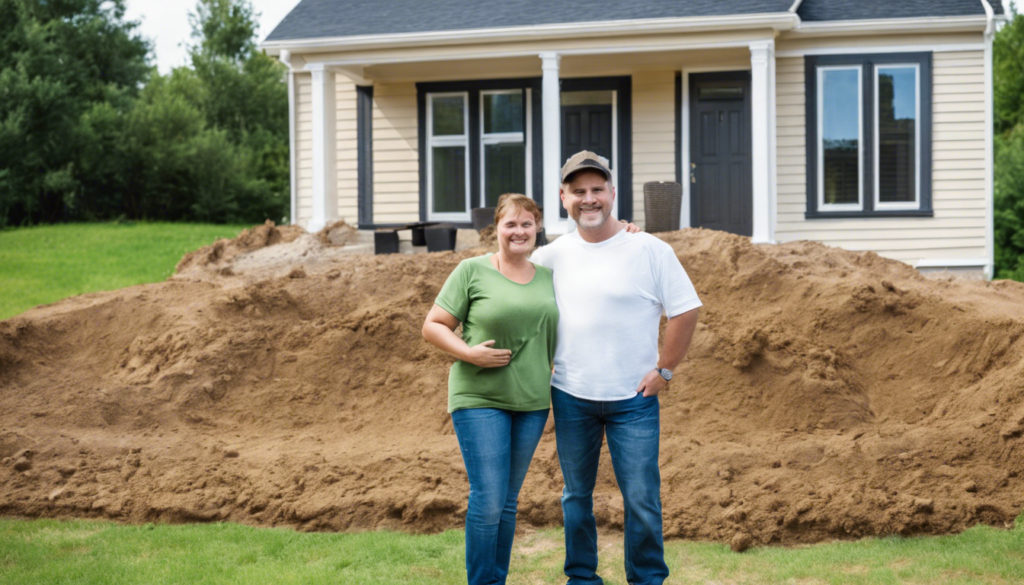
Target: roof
(342,18)
(818,10)
(312,19)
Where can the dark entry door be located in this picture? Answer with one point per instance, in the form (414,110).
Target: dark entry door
(721,191)
(587,127)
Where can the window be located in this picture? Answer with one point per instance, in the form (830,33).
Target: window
(477,139)
(503,144)
(448,129)
(868,135)
(897,109)
(840,153)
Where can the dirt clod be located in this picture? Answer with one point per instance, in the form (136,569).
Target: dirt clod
(740,542)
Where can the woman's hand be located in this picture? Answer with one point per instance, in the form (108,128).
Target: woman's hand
(485,356)
(631,227)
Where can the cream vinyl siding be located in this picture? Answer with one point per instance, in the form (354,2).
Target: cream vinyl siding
(654,133)
(958,171)
(396,175)
(304,147)
(347,150)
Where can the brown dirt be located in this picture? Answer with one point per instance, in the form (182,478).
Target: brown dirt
(827,394)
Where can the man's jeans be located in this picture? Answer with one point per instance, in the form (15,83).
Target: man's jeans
(497,446)
(632,427)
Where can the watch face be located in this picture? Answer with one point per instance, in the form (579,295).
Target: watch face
(665,373)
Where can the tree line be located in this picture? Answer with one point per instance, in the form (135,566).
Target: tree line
(90,130)
(1008,90)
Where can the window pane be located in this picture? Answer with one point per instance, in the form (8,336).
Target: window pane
(503,112)
(840,135)
(449,179)
(897,134)
(449,115)
(504,170)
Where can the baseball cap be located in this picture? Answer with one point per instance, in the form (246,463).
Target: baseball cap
(586,160)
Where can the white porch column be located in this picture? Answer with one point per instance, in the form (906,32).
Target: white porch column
(551,105)
(762,103)
(325,160)
(293,217)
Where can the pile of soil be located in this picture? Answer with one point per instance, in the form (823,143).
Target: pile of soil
(827,394)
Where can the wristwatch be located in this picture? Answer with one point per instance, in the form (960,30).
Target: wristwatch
(665,373)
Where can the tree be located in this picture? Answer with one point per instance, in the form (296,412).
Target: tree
(244,93)
(61,59)
(1008,90)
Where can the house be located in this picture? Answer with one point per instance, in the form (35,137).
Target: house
(865,125)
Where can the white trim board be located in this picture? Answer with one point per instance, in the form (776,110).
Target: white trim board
(939,48)
(776,21)
(951,263)
(477,55)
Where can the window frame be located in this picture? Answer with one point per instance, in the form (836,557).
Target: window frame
(869,183)
(506,138)
(820,142)
(916,204)
(442,142)
(532,128)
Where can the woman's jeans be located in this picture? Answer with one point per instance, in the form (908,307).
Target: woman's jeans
(497,446)
(632,429)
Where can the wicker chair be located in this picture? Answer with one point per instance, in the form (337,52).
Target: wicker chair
(662,205)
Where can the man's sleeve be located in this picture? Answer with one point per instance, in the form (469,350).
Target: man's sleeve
(454,295)
(542,256)
(677,293)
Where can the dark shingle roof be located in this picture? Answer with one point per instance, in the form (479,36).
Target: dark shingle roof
(817,10)
(341,18)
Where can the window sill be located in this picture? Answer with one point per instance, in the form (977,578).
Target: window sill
(869,214)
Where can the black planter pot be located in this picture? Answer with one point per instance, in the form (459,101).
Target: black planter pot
(385,242)
(483,217)
(418,236)
(440,238)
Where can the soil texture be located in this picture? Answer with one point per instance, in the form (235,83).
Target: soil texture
(273,382)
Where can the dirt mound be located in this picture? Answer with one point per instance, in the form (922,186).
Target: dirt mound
(267,251)
(827,394)
(225,250)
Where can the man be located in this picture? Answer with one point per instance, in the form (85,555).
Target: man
(612,288)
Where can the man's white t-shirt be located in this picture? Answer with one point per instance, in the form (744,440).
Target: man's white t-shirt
(611,296)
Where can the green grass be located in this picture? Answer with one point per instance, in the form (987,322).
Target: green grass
(44,264)
(50,551)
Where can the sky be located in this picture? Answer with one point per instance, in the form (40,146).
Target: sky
(166,24)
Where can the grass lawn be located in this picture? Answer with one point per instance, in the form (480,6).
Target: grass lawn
(50,551)
(44,264)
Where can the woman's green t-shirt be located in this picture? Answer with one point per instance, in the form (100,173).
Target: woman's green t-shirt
(519,317)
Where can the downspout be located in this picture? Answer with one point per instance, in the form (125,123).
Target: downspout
(286,58)
(989,146)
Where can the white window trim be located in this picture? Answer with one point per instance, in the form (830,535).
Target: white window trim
(503,138)
(454,140)
(916,203)
(822,206)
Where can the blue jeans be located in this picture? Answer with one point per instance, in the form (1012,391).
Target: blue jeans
(632,428)
(497,446)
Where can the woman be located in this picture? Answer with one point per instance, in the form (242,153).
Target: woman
(499,389)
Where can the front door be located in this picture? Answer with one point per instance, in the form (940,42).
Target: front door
(587,127)
(721,191)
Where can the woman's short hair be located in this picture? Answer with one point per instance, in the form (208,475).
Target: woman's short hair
(517,201)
